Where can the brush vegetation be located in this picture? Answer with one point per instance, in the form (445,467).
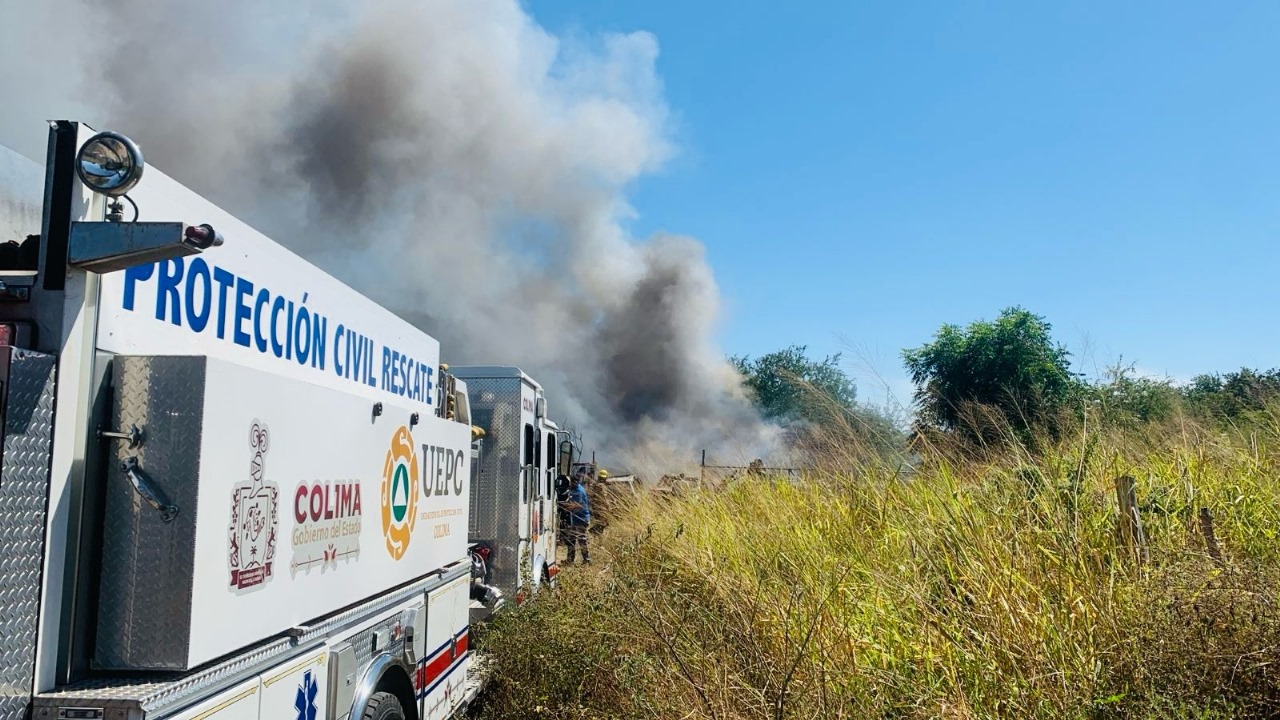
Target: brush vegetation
(977,572)
(966,589)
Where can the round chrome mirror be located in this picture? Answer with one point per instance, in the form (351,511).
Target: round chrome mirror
(110,164)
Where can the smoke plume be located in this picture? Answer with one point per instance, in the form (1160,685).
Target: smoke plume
(449,158)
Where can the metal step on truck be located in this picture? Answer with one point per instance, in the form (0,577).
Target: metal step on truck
(195,422)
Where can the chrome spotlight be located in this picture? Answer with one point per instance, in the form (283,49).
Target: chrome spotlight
(110,164)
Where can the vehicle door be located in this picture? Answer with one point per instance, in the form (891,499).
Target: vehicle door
(528,502)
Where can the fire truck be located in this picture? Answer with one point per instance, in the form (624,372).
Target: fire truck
(524,451)
(231,486)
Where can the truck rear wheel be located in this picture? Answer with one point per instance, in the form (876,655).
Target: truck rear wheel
(383,706)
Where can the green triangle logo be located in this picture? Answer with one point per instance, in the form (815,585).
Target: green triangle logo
(400,494)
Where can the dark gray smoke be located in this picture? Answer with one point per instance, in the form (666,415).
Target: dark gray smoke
(647,339)
(450,158)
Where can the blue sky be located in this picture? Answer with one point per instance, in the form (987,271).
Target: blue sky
(864,172)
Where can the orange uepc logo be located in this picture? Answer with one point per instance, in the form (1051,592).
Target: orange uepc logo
(399,493)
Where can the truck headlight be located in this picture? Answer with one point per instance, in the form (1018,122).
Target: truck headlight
(109,164)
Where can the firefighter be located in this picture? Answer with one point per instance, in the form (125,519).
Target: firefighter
(578,510)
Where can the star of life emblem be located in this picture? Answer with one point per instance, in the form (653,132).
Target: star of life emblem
(251,545)
(304,701)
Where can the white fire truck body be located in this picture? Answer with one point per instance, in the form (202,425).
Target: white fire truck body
(233,486)
(513,505)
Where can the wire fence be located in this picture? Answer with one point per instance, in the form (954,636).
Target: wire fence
(714,474)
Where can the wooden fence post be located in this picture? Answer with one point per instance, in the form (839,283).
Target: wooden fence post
(1210,539)
(1131,535)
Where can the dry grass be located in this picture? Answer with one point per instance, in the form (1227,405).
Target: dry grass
(988,586)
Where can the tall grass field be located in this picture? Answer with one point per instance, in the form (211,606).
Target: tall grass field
(953,586)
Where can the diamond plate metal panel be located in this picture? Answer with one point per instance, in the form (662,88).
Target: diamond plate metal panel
(362,642)
(148,564)
(24,488)
(495,488)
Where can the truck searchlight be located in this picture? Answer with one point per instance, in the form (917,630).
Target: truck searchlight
(110,164)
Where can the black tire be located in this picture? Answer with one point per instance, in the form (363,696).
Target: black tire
(383,706)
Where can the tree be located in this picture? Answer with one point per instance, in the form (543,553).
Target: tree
(1125,398)
(818,403)
(787,385)
(1234,394)
(1010,366)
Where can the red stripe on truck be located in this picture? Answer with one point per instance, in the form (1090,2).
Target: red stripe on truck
(439,664)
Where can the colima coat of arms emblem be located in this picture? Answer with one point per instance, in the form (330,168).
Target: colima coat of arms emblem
(251,547)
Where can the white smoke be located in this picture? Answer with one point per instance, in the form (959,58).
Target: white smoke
(450,158)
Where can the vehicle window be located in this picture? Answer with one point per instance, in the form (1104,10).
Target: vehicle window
(537,450)
(528,444)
